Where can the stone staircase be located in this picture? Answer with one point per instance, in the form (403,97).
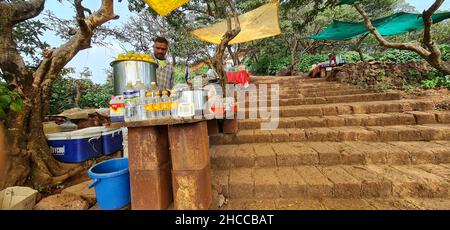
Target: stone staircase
(337,147)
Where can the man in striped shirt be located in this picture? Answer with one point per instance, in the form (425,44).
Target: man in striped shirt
(164,73)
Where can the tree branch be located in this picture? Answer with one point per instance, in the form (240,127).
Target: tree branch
(26,10)
(430,53)
(53,63)
(402,46)
(81,17)
(428,22)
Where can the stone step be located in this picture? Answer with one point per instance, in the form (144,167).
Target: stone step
(329,86)
(338,204)
(375,119)
(314,89)
(346,108)
(298,94)
(334,92)
(290,81)
(348,182)
(284,80)
(426,132)
(307,87)
(325,100)
(294,154)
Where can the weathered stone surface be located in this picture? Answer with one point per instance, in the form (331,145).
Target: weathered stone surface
(83,191)
(346,204)
(370,150)
(318,186)
(266,183)
(241,183)
(62,202)
(345,185)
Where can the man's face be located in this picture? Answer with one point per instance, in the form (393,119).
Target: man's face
(160,50)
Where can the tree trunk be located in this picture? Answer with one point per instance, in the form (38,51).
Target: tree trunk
(29,158)
(79,91)
(220,50)
(294,56)
(361,55)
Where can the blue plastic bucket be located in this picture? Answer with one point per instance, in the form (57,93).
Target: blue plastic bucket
(112,183)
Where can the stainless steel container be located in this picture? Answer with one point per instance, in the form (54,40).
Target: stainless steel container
(132,71)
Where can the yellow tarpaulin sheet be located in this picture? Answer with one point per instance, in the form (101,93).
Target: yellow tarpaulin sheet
(260,23)
(164,7)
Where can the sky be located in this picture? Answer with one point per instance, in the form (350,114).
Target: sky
(98,58)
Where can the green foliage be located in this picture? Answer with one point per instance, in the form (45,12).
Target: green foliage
(28,35)
(9,101)
(96,95)
(268,64)
(445,51)
(405,56)
(200,72)
(353,57)
(93,95)
(430,84)
(306,61)
(179,75)
(435,79)
(399,56)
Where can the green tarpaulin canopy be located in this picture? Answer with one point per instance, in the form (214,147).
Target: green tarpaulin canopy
(395,24)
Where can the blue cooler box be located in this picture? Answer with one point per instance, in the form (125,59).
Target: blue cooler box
(76,146)
(112,141)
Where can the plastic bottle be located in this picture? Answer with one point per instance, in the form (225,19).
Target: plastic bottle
(157,105)
(150,107)
(140,88)
(173,104)
(130,103)
(165,104)
(153,88)
(130,106)
(117,109)
(141,114)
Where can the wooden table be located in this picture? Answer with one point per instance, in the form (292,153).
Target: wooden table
(169,161)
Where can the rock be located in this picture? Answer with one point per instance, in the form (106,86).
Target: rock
(62,202)
(83,191)
(51,127)
(77,113)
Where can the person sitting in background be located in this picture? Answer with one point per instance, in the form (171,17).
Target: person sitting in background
(332,59)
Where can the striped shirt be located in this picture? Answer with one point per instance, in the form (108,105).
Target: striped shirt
(164,76)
